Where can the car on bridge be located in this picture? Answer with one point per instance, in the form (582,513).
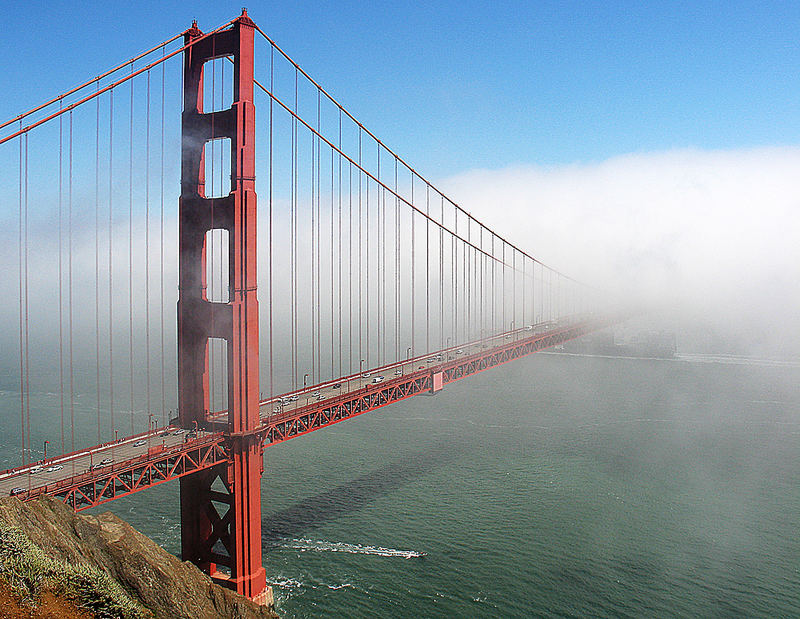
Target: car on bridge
(140,443)
(54,468)
(17,491)
(377,379)
(101,464)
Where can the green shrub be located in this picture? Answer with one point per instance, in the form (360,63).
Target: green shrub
(29,572)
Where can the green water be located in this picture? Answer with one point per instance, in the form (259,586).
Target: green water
(556,486)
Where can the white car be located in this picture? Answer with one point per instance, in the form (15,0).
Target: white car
(54,468)
(102,463)
(377,379)
(35,469)
(398,372)
(140,443)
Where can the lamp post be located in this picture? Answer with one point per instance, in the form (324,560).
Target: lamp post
(45,449)
(361,367)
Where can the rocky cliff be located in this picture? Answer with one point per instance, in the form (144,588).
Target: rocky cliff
(100,566)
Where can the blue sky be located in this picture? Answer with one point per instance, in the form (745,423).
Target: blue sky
(455,86)
(649,148)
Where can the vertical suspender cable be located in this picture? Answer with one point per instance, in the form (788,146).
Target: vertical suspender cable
(468,281)
(161,244)
(110,260)
(319,244)
(350,266)
(22,308)
(69,279)
(396,267)
(441,275)
(494,290)
(333,272)
(427,270)
(147,245)
(295,270)
(293,262)
(130,255)
(514,286)
(481,296)
(313,264)
(271,155)
(503,270)
(27,329)
(339,252)
(454,273)
(378,251)
(358,279)
(413,269)
(97,258)
(60,272)
(524,286)
(368,308)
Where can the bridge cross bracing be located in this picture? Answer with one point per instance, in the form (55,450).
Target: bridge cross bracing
(317,276)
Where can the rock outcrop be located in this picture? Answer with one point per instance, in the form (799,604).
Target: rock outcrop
(160,583)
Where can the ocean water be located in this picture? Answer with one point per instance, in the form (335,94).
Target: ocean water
(555,486)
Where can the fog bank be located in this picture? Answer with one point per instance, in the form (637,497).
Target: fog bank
(710,237)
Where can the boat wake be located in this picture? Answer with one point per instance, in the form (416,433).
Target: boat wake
(304,545)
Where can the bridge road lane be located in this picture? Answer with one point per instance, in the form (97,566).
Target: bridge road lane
(81,462)
(134,447)
(291,402)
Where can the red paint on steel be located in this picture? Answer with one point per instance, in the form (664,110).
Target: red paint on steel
(232,539)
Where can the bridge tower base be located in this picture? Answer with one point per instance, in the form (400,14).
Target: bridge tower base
(221,507)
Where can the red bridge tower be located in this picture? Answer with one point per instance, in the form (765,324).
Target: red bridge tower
(221,525)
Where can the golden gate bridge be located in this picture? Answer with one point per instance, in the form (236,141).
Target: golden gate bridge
(317,276)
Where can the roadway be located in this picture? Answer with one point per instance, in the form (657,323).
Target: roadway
(108,457)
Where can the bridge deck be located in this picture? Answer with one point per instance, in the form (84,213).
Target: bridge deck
(105,472)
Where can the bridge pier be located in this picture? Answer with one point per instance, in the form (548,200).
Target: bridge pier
(221,507)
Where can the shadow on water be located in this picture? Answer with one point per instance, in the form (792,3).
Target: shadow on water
(353,495)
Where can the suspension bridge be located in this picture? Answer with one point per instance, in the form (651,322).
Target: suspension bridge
(317,276)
